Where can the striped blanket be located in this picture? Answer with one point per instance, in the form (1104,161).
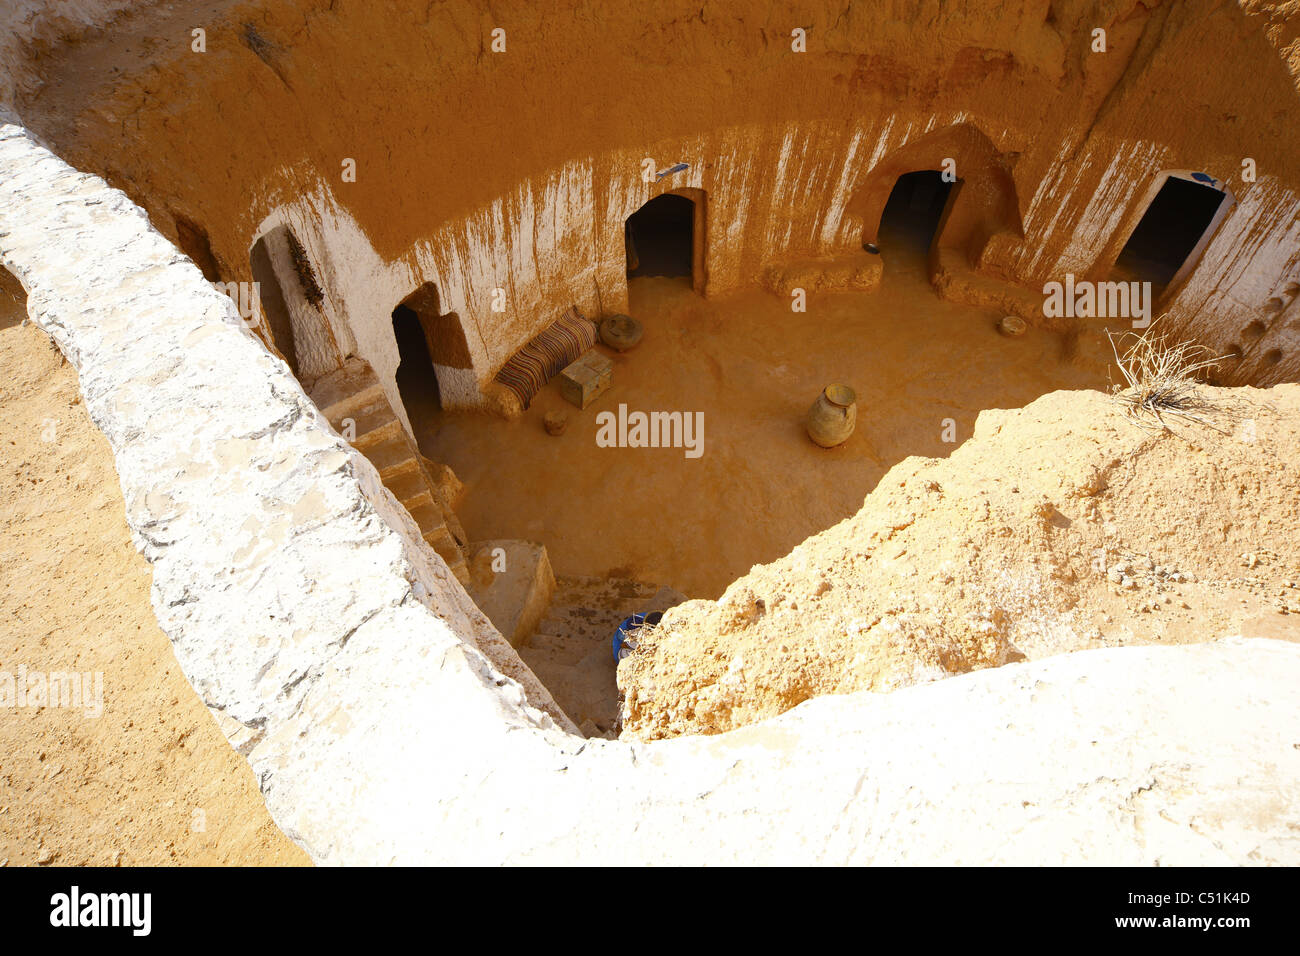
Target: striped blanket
(547,354)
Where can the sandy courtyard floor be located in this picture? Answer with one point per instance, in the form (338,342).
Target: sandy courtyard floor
(753,367)
(151,780)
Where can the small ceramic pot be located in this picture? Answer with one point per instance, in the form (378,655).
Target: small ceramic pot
(833,416)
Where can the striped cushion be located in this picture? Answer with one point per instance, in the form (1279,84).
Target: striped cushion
(552,350)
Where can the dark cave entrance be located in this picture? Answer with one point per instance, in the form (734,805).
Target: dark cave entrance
(914,211)
(427,340)
(660,238)
(271,296)
(1171,229)
(417,380)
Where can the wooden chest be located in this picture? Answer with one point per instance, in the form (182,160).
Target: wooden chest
(587,378)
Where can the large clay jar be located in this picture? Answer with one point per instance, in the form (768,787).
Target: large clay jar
(832,417)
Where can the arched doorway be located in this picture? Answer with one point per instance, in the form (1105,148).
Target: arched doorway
(961,215)
(417,379)
(427,341)
(914,212)
(665,237)
(275,307)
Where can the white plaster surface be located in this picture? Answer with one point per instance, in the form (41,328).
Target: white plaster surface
(349,668)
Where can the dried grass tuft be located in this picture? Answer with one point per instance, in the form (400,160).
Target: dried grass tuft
(1164,380)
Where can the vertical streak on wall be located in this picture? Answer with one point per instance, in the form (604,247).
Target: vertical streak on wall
(556,238)
(830,233)
(1250,259)
(1107,203)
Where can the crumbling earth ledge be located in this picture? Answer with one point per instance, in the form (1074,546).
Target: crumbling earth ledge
(386,722)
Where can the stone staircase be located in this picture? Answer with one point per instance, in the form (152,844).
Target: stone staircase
(354,402)
(571,652)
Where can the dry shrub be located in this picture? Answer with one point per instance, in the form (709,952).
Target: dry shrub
(1163,380)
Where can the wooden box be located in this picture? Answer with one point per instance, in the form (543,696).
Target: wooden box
(586,379)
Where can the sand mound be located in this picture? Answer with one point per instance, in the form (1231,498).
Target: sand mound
(1057,527)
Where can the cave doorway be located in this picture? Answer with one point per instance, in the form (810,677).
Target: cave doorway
(429,345)
(913,215)
(665,238)
(1169,237)
(417,380)
(275,308)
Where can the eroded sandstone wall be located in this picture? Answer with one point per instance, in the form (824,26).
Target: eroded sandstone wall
(32,28)
(481,170)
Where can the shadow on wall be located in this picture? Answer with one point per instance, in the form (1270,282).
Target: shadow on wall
(13,299)
(194,242)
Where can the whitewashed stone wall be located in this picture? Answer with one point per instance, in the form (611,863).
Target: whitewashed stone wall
(218,447)
(385,724)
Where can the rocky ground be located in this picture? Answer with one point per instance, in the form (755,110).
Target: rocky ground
(1057,527)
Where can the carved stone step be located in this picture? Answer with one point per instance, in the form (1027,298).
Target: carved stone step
(393,458)
(412,490)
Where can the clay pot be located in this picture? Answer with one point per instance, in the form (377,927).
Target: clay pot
(621,332)
(833,416)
